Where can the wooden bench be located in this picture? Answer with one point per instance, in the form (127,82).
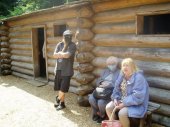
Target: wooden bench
(147,120)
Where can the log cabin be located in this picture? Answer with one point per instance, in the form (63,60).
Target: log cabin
(139,29)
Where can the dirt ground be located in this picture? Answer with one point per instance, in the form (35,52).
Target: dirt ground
(25,105)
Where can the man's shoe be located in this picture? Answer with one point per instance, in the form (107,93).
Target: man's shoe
(61,106)
(95,117)
(57,102)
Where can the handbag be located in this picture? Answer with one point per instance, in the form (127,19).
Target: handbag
(102,93)
(111,122)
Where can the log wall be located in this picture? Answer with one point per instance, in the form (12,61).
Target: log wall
(5,61)
(115,34)
(75,18)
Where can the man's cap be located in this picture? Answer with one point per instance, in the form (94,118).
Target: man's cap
(67,32)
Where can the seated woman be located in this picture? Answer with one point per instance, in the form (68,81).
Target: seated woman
(130,95)
(106,80)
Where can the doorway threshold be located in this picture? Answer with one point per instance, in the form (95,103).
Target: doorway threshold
(39,82)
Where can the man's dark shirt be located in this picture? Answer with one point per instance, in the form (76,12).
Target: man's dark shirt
(65,64)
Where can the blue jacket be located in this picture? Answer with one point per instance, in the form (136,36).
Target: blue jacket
(137,94)
(104,74)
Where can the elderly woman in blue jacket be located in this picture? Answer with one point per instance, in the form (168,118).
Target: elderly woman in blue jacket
(106,80)
(130,95)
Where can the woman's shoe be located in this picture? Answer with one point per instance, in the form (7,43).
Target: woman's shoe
(95,117)
(101,119)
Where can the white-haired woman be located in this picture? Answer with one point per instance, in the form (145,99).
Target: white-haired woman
(106,80)
(130,95)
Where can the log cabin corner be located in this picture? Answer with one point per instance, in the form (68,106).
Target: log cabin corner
(122,28)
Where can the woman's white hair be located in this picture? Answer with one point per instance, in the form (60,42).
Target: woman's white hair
(112,59)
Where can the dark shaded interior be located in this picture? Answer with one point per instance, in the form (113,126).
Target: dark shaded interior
(41,59)
(157,24)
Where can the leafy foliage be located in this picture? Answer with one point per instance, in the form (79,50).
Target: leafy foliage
(10,8)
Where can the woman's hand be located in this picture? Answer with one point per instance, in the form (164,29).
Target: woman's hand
(115,102)
(120,106)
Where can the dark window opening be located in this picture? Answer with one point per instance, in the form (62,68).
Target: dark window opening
(156,24)
(59,29)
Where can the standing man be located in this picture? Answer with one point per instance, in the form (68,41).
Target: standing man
(64,53)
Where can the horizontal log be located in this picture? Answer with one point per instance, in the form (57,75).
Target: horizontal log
(22,58)
(51,77)
(3,27)
(115,28)
(84,35)
(5,50)
(3,33)
(99,62)
(51,70)
(76,65)
(84,90)
(20,47)
(4,38)
(130,40)
(73,82)
(87,67)
(51,62)
(72,22)
(6,61)
(20,34)
(5,55)
(84,46)
(97,72)
(147,54)
(24,52)
(6,72)
(75,74)
(54,40)
(84,78)
(80,22)
(50,24)
(73,89)
(22,75)
(20,41)
(110,5)
(4,44)
(5,66)
(116,16)
(50,32)
(161,119)
(150,68)
(50,55)
(22,65)
(48,16)
(84,57)
(159,82)
(21,28)
(164,110)
(22,70)
(159,95)
(51,47)
(155,68)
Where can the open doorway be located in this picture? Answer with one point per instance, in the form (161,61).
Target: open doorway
(39,57)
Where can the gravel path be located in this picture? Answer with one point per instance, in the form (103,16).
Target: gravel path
(25,105)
